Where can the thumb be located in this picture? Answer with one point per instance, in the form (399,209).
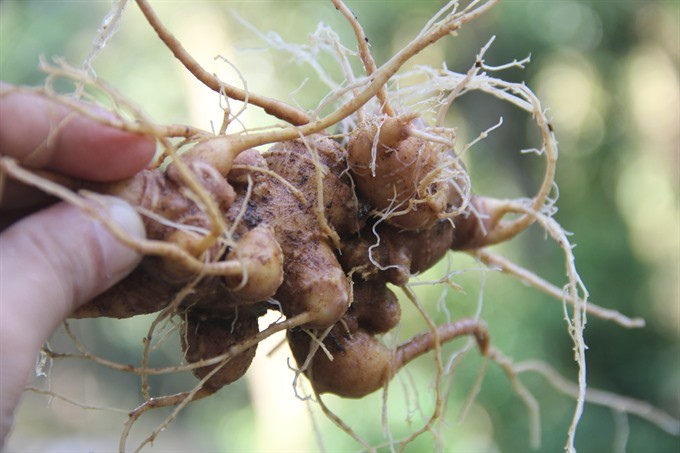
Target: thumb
(59,258)
(50,263)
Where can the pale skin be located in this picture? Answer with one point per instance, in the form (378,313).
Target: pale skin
(53,258)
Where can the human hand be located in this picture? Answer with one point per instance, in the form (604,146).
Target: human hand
(52,260)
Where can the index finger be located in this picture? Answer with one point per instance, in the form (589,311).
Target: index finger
(42,133)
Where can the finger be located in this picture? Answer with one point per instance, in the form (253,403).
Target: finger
(50,263)
(44,134)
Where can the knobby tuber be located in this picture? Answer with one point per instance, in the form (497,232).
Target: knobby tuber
(316,227)
(293,258)
(360,363)
(204,337)
(401,173)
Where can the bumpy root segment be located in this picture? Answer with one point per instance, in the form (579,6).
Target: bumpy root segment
(90,204)
(204,338)
(177,227)
(183,175)
(441,81)
(138,294)
(256,259)
(305,289)
(408,178)
(374,308)
(391,255)
(261,258)
(361,365)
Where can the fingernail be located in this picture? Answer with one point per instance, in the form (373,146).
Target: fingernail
(124,215)
(122,258)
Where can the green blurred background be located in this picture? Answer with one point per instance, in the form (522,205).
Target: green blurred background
(608,72)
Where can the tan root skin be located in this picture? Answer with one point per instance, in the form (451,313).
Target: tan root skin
(313,228)
(389,167)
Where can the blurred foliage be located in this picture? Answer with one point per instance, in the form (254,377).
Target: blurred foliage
(608,71)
